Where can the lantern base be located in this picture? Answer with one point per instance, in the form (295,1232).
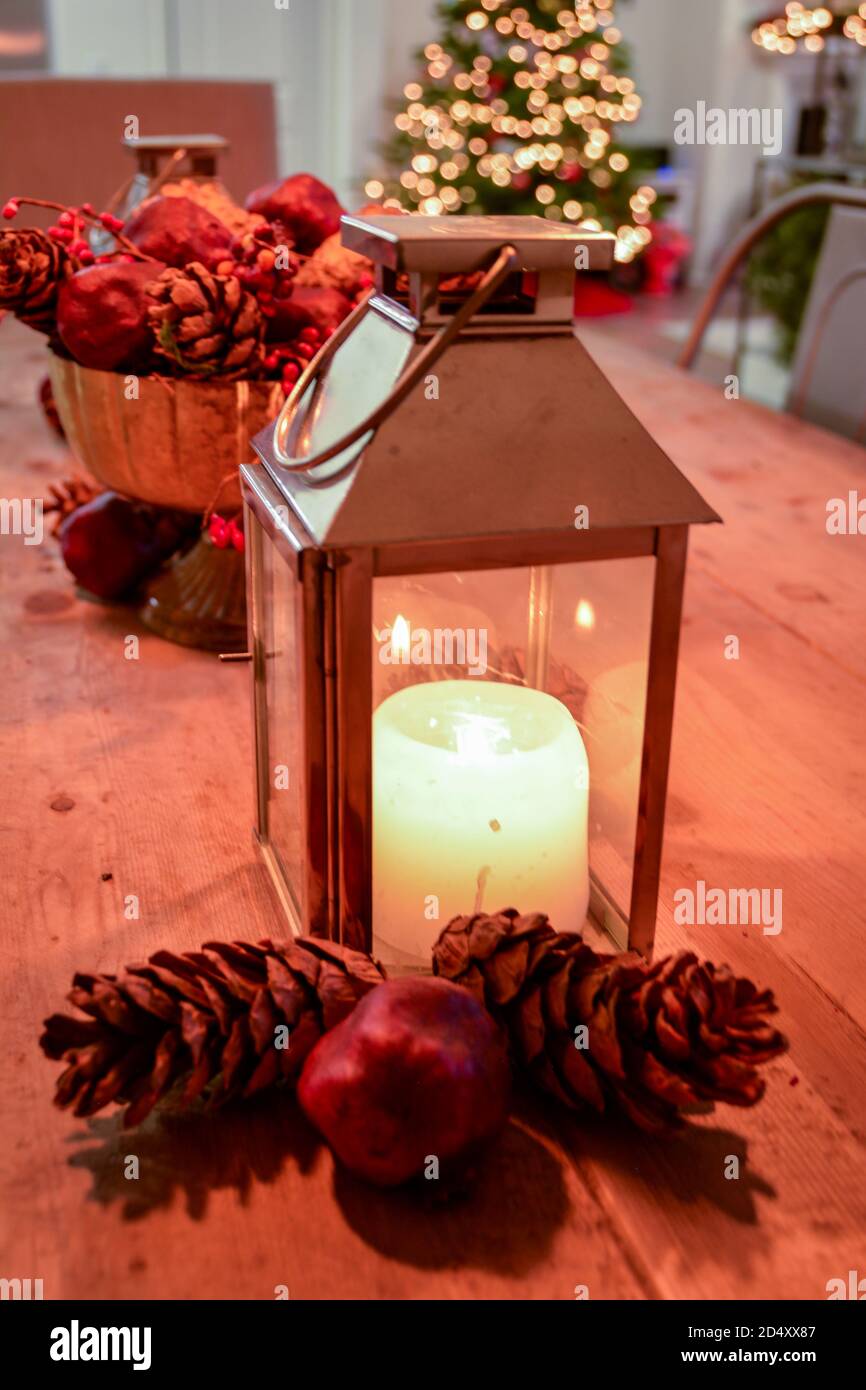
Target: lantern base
(198,599)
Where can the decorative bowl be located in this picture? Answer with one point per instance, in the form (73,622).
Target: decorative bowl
(174,443)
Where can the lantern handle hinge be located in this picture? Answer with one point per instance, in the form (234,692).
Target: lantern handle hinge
(505,263)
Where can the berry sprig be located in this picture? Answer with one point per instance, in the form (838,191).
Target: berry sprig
(69,227)
(224,533)
(256,262)
(290,359)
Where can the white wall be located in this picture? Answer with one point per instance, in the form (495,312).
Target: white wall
(337,64)
(325,57)
(682,51)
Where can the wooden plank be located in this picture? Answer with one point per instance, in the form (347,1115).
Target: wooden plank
(766,789)
(770,477)
(152,760)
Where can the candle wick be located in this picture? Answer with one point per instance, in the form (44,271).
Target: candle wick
(480,885)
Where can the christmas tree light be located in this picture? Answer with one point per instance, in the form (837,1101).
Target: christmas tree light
(519,109)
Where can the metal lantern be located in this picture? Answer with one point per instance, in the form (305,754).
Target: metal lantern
(465,576)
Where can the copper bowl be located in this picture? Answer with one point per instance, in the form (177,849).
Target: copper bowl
(172,442)
(176,444)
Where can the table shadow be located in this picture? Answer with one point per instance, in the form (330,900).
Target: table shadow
(504,1219)
(194,1151)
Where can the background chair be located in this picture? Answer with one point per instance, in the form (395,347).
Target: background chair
(828,378)
(62,135)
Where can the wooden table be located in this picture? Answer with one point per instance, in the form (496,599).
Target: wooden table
(124,777)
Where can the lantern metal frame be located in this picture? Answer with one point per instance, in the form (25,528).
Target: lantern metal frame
(333,592)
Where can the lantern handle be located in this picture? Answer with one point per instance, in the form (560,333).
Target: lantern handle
(505,264)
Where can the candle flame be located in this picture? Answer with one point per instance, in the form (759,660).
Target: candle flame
(400,636)
(585,615)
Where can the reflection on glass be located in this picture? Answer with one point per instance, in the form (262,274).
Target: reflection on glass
(580,633)
(285,767)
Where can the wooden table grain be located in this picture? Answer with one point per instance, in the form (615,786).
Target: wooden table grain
(125,777)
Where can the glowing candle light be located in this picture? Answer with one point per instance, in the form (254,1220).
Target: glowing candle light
(480,800)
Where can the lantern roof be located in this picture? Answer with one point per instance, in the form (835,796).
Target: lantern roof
(513,436)
(455,245)
(511,425)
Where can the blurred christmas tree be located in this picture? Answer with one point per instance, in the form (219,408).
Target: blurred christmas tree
(518,109)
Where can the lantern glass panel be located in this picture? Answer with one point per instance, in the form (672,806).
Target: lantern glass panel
(488,795)
(282,774)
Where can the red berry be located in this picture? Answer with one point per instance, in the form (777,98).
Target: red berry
(86,256)
(236,535)
(291,372)
(87,208)
(305,350)
(283,288)
(310,335)
(106,219)
(271,362)
(10,209)
(65,219)
(268,310)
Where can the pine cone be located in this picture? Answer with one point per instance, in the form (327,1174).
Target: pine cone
(205,324)
(67,496)
(661,1039)
(201,1016)
(32,267)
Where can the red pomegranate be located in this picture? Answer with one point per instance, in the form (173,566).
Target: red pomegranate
(102,314)
(111,543)
(310,306)
(177,231)
(418,1071)
(305,206)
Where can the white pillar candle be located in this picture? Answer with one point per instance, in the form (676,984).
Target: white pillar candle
(480,796)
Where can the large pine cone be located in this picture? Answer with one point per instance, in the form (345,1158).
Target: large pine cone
(205,324)
(661,1039)
(204,1016)
(32,268)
